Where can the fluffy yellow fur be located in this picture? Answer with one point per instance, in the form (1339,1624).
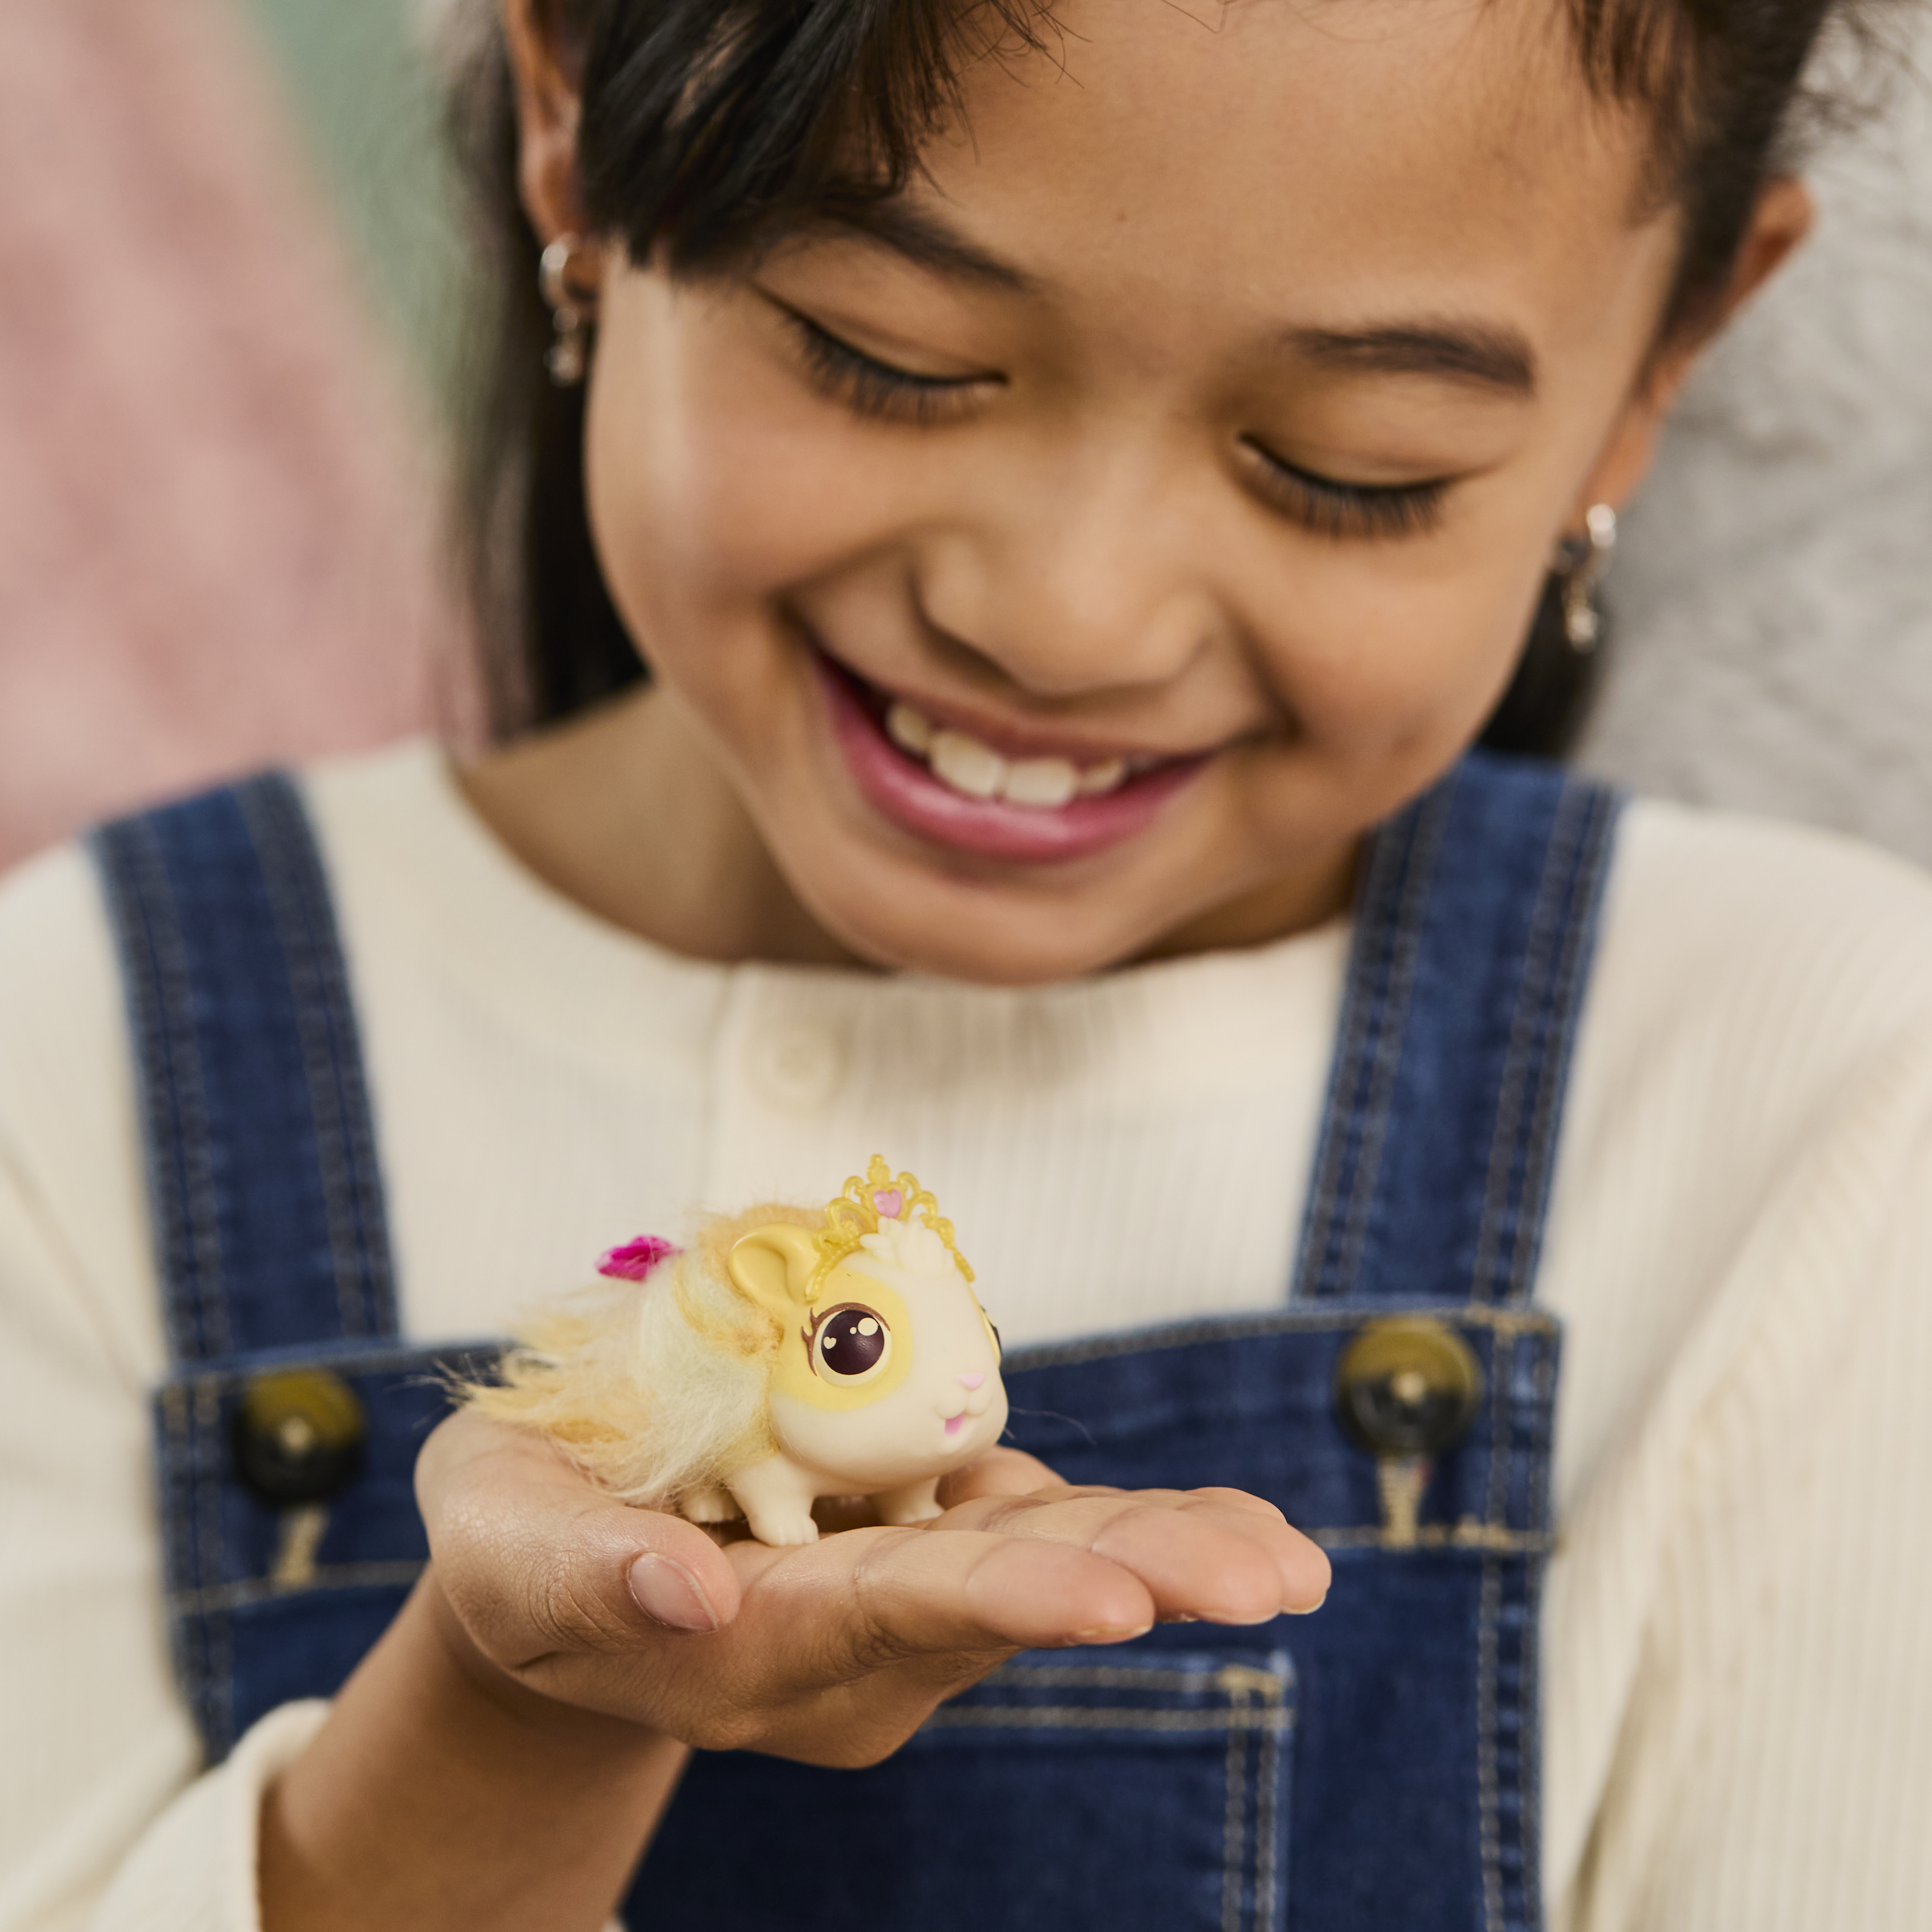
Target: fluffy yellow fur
(655,1388)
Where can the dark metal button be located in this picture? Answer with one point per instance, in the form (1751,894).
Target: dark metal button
(1407,1386)
(298,1434)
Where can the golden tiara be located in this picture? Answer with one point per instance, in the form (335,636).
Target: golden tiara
(863,1203)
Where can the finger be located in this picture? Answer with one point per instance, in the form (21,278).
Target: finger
(1218,1555)
(1306,1572)
(536,1560)
(869,1599)
(1000,1472)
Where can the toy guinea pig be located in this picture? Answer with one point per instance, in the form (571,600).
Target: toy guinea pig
(788,1354)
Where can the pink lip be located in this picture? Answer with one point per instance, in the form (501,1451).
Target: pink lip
(954,1423)
(906,793)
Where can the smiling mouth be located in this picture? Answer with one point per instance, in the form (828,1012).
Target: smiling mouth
(973,768)
(945,785)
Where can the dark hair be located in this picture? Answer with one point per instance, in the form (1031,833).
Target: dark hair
(708,124)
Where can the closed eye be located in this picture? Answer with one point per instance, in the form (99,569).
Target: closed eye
(1331,508)
(869,387)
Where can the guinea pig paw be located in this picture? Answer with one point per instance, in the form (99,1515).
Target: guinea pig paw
(917,1503)
(710,1506)
(783,1532)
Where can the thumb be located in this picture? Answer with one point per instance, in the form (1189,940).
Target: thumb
(536,1560)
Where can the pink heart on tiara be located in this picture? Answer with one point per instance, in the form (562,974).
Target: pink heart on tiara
(889,1201)
(635,1259)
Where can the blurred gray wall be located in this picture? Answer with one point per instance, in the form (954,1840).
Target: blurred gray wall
(1773,592)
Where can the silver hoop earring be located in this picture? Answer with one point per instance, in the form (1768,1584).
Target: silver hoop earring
(573,310)
(1581,561)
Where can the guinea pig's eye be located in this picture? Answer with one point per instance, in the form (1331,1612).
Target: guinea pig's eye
(850,1343)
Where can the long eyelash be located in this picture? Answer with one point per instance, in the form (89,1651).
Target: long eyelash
(871,387)
(1330,508)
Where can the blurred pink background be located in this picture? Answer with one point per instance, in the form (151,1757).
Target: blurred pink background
(219,540)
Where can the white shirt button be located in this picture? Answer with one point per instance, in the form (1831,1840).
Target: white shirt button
(797,1067)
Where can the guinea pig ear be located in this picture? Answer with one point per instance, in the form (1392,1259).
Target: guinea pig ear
(773,1265)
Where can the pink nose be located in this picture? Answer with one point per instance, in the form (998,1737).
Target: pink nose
(971,1381)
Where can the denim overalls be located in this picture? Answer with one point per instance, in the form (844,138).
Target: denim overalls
(1370,1768)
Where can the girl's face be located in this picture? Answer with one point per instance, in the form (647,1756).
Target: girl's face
(1072,562)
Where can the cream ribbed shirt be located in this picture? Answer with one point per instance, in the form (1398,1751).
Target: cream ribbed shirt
(1738,1646)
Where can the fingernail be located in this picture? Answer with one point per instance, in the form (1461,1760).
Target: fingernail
(1309,1610)
(668,1593)
(1109,1632)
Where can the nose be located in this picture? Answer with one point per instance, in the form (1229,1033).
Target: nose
(973,1381)
(1090,586)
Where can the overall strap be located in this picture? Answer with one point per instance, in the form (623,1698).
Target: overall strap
(267,1203)
(1475,925)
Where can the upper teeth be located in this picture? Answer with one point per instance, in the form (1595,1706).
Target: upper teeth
(962,761)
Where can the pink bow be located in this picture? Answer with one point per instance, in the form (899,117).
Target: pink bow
(635,1259)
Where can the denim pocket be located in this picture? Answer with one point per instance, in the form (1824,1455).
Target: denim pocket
(1152,1794)
(1068,1790)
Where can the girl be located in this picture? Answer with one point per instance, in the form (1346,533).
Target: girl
(1080,479)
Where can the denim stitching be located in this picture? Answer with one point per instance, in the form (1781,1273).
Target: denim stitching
(1233,1821)
(355,1124)
(1594,839)
(217,1600)
(1301,1317)
(1369,1053)
(1509,1145)
(1550,1024)
(1267,1724)
(1545,1372)
(205,1283)
(1487,1715)
(1530,1806)
(177,1517)
(1310,1275)
(1502,1401)
(1546,1025)
(426,1363)
(1098,1717)
(1266,1876)
(1506,1459)
(1378,933)
(210,1561)
(276,861)
(331,1061)
(173,1100)
(1101,1677)
(1561,927)
(1469,1533)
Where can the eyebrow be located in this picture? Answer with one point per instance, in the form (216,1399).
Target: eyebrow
(1478,353)
(930,241)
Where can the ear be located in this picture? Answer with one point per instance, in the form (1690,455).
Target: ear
(547,68)
(773,1266)
(1780,220)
